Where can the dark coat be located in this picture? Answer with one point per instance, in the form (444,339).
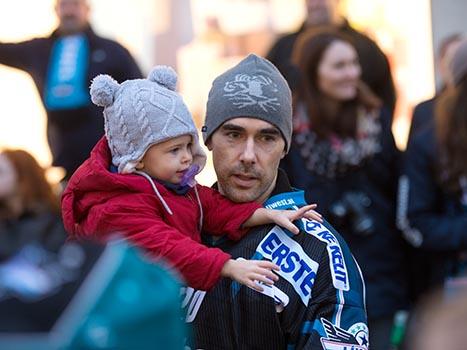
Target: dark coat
(381,255)
(423,115)
(236,317)
(433,220)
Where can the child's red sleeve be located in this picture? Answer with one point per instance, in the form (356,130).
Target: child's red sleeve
(222,216)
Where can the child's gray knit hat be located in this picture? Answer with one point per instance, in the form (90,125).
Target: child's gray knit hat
(142,112)
(254,88)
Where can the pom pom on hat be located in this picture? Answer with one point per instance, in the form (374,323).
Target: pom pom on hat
(165,76)
(103,88)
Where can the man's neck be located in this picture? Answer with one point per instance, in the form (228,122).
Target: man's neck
(69,31)
(261,199)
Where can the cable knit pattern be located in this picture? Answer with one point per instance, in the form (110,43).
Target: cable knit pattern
(142,116)
(141,112)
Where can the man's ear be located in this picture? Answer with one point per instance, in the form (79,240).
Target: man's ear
(284,152)
(209,144)
(139,165)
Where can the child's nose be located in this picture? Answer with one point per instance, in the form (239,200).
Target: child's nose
(187,157)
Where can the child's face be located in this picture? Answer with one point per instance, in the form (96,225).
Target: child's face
(167,161)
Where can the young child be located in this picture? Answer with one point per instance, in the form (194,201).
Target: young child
(149,194)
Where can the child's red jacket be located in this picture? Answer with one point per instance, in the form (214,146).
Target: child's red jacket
(98,203)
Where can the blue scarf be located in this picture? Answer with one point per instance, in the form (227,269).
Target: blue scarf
(66,84)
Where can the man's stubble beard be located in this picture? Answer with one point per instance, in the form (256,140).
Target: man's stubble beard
(256,193)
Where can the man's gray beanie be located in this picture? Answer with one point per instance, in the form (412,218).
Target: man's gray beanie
(254,88)
(142,112)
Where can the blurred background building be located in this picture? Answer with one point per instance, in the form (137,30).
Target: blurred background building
(201,38)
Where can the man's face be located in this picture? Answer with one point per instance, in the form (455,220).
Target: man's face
(246,154)
(73,15)
(322,12)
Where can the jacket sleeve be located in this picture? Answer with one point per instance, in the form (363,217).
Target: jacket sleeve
(422,211)
(222,216)
(199,265)
(18,55)
(335,317)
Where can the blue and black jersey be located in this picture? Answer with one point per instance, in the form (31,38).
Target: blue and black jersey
(318,302)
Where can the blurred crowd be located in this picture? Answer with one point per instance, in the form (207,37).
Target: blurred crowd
(403,214)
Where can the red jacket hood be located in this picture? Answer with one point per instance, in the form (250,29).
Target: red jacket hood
(94,184)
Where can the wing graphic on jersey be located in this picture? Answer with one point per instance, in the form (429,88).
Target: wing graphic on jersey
(338,334)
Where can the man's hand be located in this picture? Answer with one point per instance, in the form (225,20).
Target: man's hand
(247,272)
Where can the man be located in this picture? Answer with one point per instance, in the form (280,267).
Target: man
(376,72)
(62,66)
(318,301)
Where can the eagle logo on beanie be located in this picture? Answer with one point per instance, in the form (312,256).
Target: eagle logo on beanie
(248,90)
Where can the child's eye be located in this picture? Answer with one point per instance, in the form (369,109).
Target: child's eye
(174,150)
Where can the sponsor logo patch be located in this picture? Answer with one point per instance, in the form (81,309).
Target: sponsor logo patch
(340,277)
(356,338)
(296,266)
(281,204)
(191,302)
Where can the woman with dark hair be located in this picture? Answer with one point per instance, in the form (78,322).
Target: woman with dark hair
(433,195)
(29,207)
(343,154)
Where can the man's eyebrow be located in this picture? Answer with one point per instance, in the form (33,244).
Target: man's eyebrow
(265,131)
(270,131)
(232,127)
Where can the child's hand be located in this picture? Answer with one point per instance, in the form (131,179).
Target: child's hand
(285,218)
(247,272)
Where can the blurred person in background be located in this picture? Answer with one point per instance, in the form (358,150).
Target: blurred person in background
(439,323)
(62,66)
(433,191)
(343,154)
(30,228)
(56,294)
(375,68)
(29,206)
(423,112)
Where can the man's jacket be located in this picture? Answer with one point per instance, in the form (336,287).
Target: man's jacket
(318,302)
